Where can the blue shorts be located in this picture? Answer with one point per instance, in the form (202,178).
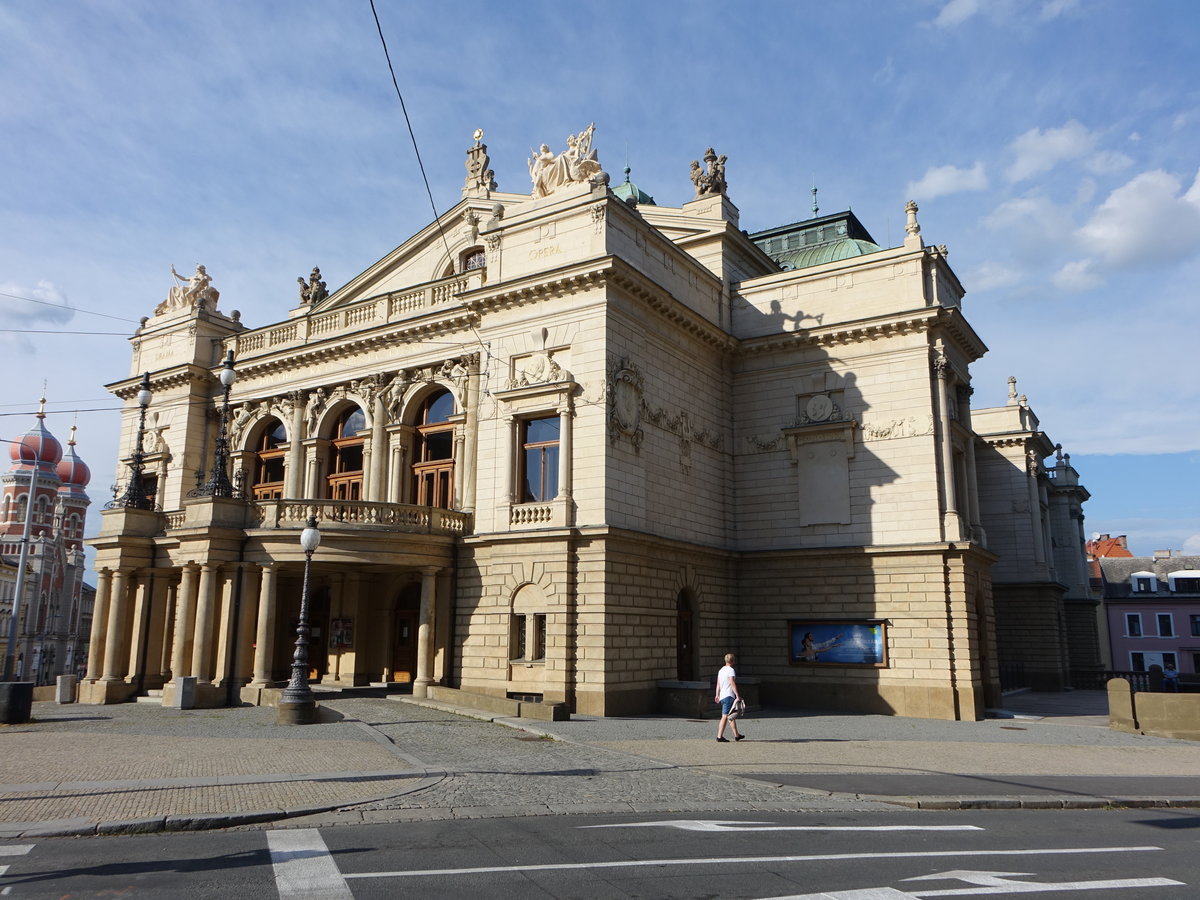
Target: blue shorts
(727,704)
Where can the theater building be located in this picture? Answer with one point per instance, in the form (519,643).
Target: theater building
(566,446)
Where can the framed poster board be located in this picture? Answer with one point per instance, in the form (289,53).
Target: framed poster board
(341,634)
(825,642)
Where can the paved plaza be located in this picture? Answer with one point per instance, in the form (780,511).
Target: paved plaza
(135,767)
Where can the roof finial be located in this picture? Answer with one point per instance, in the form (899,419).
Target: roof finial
(41,413)
(1012,390)
(814,193)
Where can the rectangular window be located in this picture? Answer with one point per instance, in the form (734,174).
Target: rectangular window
(1186,585)
(539,459)
(518,638)
(1137,662)
(1133,624)
(1195,628)
(1196,662)
(1169,660)
(539,625)
(1144,585)
(1166,625)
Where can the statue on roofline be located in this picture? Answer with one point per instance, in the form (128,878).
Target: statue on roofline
(709,179)
(575,165)
(195,291)
(315,290)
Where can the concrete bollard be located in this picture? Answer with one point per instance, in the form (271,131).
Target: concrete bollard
(64,689)
(185,692)
(16,702)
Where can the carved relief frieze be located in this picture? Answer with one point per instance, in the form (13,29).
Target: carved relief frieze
(911,426)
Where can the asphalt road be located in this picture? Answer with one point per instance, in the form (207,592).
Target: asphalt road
(1128,854)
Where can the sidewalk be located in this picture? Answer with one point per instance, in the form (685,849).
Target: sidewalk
(130,767)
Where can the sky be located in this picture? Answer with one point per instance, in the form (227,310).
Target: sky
(1052,145)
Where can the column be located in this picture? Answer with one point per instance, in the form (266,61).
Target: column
(264,640)
(243,651)
(1032,466)
(206,603)
(565,417)
(185,623)
(951,523)
(507,457)
(166,638)
(425,632)
(226,620)
(377,477)
(471,451)
(140,630)
(114,640)
(293,486)
(95,663)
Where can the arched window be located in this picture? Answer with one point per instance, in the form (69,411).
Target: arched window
(268,462)
(475,258)
(433,456)
(346,456)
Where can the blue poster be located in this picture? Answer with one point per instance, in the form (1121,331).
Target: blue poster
(838,643)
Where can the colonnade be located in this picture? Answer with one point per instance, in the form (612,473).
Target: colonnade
(218,622)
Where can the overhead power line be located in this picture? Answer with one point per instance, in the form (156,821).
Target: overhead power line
(65,306)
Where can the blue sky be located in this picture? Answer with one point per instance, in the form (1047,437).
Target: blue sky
(1051,144)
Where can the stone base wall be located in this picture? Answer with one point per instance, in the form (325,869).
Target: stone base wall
(936,604)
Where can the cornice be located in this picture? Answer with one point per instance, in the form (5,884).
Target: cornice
(127,388)
(858,332)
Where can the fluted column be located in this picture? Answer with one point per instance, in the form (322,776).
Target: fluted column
(243,658)
(185,623)
(100,606)
(293,487)
(425,632)
(565,418)
(143,584)
(377,479)
(115,638)
(226,622)
(471,451)
(951,522)
(206,604)
(168,635)
(264,640)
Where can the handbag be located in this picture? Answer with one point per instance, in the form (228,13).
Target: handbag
(739,707)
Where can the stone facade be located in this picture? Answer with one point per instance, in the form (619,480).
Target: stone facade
(569,446)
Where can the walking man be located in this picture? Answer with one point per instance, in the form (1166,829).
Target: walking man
(727,692)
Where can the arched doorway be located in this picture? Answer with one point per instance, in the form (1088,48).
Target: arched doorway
(433,455)
(269,462)
(685,644)
(346,456)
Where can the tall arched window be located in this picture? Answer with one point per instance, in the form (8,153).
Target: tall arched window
(433,455)
(268,462)
(346,456)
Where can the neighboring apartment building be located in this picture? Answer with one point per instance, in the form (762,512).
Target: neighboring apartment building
(1153,605)
(571,445)
(55,613)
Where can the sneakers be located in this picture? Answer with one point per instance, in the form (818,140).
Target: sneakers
(740,737)
(723,740)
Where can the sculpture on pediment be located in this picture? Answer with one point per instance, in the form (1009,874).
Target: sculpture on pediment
(194,291)
(480,179)
(314,291)
(709,179)
(575,165)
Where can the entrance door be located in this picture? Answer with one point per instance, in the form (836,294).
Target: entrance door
(685,667)
(404,638)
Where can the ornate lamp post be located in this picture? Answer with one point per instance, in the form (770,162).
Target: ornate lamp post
(297,705)
(218,484)
(135,492)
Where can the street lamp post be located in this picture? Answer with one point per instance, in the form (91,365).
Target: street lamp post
(135,492)
(218,484)
(297,705)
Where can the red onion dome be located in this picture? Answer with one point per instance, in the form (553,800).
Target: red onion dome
(37,445)
(72,470)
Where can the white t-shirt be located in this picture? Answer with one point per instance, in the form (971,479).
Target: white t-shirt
(725,683)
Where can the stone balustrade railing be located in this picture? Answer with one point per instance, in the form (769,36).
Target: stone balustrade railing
(394,306)
(397,516)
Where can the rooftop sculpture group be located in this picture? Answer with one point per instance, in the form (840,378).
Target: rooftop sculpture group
(188,292)
(576,164)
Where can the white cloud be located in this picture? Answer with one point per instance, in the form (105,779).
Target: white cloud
(1039,151)
(1077,276)
(956,12)
(1055,8)
(30,309)
(1107,162)
(941,180)
(990,276)
(1191,545)
(1146,220)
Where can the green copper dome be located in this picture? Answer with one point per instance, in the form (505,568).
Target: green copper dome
(627,190)
(824,253)
(816,241)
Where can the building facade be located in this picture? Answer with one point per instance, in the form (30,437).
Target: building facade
(572,446)
(44,507)
(1153,608)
